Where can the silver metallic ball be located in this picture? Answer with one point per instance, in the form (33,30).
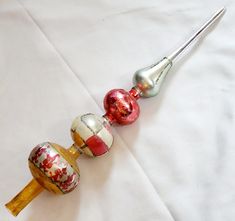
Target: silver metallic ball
(148,80)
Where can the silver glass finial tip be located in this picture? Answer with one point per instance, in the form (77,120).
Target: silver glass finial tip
(149,80)
(199,33)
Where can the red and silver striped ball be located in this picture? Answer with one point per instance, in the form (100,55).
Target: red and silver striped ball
(92,134)
(48,158)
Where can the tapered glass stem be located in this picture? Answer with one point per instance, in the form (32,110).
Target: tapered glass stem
(211,21)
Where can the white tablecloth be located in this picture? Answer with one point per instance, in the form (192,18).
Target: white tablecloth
(59,58)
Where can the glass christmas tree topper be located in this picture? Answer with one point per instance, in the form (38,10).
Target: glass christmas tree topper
(54,168)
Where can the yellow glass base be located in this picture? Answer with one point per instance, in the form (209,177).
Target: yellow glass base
(24,197)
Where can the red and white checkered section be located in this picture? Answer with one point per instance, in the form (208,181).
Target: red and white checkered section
(92,134)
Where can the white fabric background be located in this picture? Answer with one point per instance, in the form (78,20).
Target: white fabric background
(59,58)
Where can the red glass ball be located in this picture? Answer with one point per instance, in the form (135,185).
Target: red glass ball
(121,107)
